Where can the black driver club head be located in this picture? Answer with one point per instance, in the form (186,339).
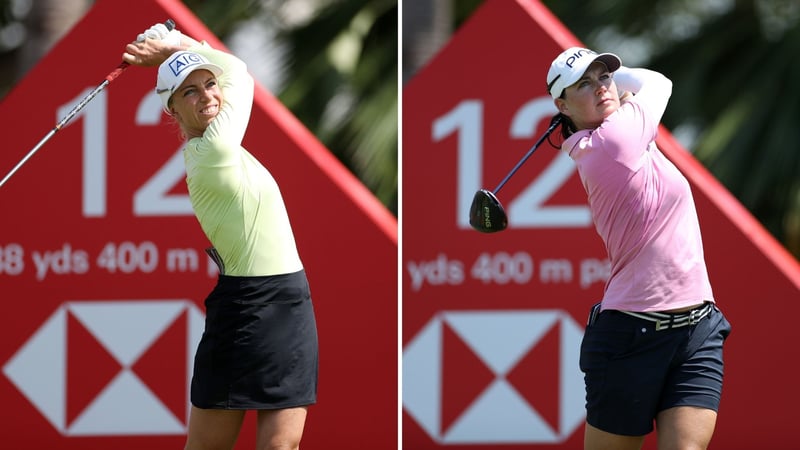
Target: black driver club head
(486,214)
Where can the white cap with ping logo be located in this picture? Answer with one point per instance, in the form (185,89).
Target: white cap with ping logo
(570,65)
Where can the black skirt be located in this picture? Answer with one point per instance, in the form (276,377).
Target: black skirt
(259,347)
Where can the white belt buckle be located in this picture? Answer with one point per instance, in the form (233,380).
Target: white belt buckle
(696,315)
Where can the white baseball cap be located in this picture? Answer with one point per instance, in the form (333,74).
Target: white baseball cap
(173,71)
(571,64)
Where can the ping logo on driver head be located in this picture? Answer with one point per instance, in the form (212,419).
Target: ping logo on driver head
(575,56)
(487,218)
(183,61)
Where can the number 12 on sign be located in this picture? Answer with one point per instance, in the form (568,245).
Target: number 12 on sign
(528,209)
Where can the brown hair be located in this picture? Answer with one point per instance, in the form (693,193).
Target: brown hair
(567,125)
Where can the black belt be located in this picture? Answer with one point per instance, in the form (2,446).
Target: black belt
(665,321)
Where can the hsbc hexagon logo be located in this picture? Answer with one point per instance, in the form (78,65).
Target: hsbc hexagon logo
(495,377)
(89,358)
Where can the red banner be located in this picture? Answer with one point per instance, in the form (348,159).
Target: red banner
(492,323)
(102,269)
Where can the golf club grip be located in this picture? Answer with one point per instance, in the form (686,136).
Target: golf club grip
(117,72)
(170,24)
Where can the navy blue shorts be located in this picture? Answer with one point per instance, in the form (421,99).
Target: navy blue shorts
(632,372)
(259,346)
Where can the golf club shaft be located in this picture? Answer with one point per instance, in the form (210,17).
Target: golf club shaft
(553,124)
(108,79)
(66,119)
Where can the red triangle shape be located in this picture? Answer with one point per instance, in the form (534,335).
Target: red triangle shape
(537,376)
(464,377)
(89,367)
(179,188)
(163,367)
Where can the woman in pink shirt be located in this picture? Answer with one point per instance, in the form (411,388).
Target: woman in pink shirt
(652,351)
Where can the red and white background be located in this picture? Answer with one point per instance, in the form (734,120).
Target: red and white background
(102,269)
(492,323)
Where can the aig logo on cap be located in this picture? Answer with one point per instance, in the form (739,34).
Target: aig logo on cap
(184,61)
(174,70)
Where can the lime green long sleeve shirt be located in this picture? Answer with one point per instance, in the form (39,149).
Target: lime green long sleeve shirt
(236,200)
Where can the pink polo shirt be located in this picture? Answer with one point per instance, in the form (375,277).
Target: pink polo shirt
(642,206)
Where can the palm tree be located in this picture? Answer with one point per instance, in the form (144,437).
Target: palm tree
(350,103)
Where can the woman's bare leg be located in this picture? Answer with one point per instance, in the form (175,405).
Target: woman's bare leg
(213,429)
(597,439)
(280,429)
